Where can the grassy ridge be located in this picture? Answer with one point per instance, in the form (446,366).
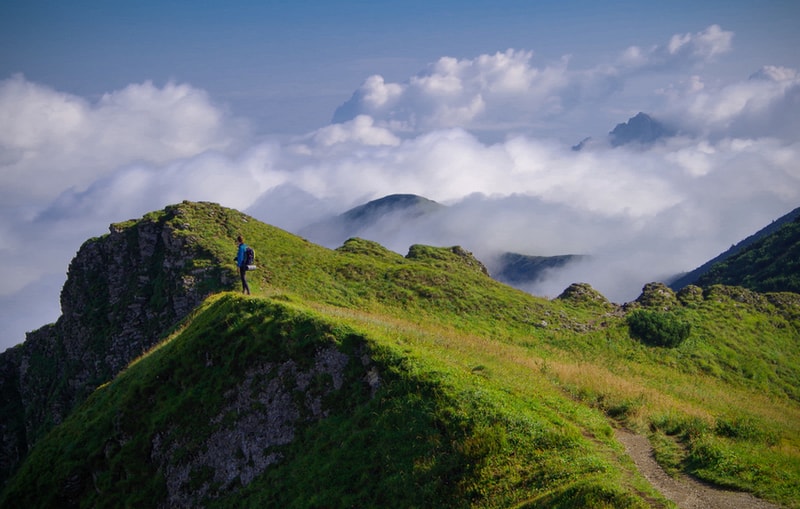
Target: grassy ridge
(491,397)
(437,433)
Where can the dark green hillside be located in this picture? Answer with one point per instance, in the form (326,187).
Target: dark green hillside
(771,264)
(719,263)
(359,377)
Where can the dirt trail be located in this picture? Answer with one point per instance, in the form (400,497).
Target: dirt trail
(684,491)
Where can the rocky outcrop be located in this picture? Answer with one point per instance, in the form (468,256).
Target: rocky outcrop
(583,293)
(657,296)
(263,412)
(123,290)
(442,256)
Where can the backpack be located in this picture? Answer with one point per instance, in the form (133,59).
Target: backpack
(249,258)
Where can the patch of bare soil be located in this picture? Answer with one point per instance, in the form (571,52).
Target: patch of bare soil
(685,492)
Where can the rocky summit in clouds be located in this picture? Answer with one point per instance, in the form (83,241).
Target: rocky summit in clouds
(642,129)
(475,107)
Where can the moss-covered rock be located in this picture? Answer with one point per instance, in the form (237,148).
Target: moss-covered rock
(442,257)
(583,293)
(657,296)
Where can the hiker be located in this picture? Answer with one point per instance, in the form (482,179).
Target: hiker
(241,262)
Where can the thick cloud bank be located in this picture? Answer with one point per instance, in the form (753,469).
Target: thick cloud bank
(70,166)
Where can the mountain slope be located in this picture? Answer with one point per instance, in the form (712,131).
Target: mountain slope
(765,261)
(359,377)
(127,288)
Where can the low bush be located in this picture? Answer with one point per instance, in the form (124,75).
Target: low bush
(658,328)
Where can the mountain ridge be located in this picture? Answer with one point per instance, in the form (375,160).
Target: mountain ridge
(358,376)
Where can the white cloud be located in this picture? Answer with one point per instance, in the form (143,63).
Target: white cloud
(508,90)
(69,167)
(378,94)
(703,45)
(775,73)
(51,140)
(476,93)
(361,130)
(766,105)
(680,50)
(641,215)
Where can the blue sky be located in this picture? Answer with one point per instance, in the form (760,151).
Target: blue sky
(287,65)
(109,110)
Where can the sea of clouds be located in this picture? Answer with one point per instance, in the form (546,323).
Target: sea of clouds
(474,134)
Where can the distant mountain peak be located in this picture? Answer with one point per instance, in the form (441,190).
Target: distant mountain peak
(409,203)
(581,144)
(641,128)
(397,208)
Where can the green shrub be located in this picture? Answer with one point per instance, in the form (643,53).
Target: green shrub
(657,328)
(744,428)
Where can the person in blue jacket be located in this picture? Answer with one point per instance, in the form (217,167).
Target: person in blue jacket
(242,264)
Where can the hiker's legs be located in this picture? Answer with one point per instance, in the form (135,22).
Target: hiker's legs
(245,286)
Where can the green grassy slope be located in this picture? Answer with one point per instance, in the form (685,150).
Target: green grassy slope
(488,397)
(769,264)
(440,431)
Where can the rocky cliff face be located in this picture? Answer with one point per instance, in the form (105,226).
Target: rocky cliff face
(269,414)
(122,291)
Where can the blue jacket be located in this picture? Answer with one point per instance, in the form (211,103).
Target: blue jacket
(240,255)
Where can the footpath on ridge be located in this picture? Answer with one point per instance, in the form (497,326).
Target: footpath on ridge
(685,492)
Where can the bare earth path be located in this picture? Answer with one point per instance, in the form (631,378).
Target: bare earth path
(684,491)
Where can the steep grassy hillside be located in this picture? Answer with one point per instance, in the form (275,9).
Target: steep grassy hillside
(769,264)
(764,261)
(358,377)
